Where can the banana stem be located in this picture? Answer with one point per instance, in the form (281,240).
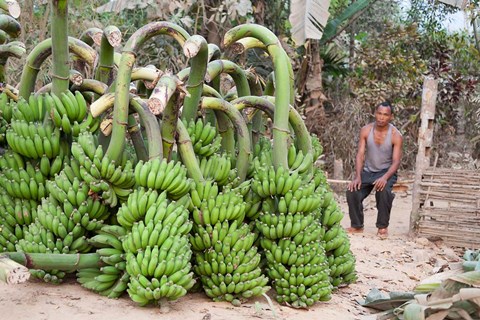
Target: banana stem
(41,52)
(152,128)
(226,131)
(214,52)
(12,272)
(91,85)
(217,67)
(266,104)
(196,48)
(10,25)
(11,6)
(164,99)
(283,81)
(185,149)
(137,139)
(244,146)
(57,261)
(257,126)
(122,87)
(111,38)
(59,31)
(92,36)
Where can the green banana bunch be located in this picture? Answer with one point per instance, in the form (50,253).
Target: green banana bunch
(228,205)
(33,110)
(50,276)
(298,161)
(111,279)
(9,235)
(161,175)
(69,111)
(76,198)
(33,139)
(317,148)
(228,262)
(24,182)
(141,201)
(157,232)
(204,138)
(111,181)
(6,107)
(216,167)
(270,182)
(17,211)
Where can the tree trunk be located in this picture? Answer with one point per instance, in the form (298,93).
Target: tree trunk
(313,90)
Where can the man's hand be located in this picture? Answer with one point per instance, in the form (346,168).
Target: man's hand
(380,184)
(355,184)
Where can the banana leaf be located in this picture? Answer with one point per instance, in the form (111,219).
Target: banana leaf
(331,29)
(308,18)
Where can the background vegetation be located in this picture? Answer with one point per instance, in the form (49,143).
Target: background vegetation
(382,52)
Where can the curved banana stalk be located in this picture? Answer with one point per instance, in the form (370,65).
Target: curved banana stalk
(283,81)
(267,105)
(137,139)
(256,125)
(91,85)
(164,100)
(195,48)
(214,52)
(243,44)
(75,79)
(120,114)
(111,38)
(152,128)
(214,69)
(12,7)
(217,67)
(59,31)
(244,146)
(41,52)
(92,36)
(10,25)
(185,149)
(14,49)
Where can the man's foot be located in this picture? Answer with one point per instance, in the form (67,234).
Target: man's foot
(354,230)
(382,233)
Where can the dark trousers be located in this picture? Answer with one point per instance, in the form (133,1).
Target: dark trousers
(383,198)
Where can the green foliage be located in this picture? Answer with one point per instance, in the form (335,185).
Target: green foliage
(388,67)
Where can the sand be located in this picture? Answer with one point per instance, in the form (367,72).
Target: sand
(395,264)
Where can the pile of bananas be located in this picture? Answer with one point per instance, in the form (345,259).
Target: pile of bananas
(160,174)
(218,168)
(27,134)
(111,279)
(5,116)
(227,260)
(70,113)
(157,249)
(291,233)
(112,182)
(336,242)
(204,138)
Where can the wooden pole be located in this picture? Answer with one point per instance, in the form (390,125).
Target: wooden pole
(425,137)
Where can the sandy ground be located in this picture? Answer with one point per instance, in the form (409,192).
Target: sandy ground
(395,264)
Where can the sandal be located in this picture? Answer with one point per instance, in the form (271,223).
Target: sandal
(354,230)
(382,233)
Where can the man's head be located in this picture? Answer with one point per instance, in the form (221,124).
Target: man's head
(383,114)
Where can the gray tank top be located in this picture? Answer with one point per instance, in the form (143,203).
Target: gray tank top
(378,157)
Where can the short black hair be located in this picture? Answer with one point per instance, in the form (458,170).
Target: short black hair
(386,103)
